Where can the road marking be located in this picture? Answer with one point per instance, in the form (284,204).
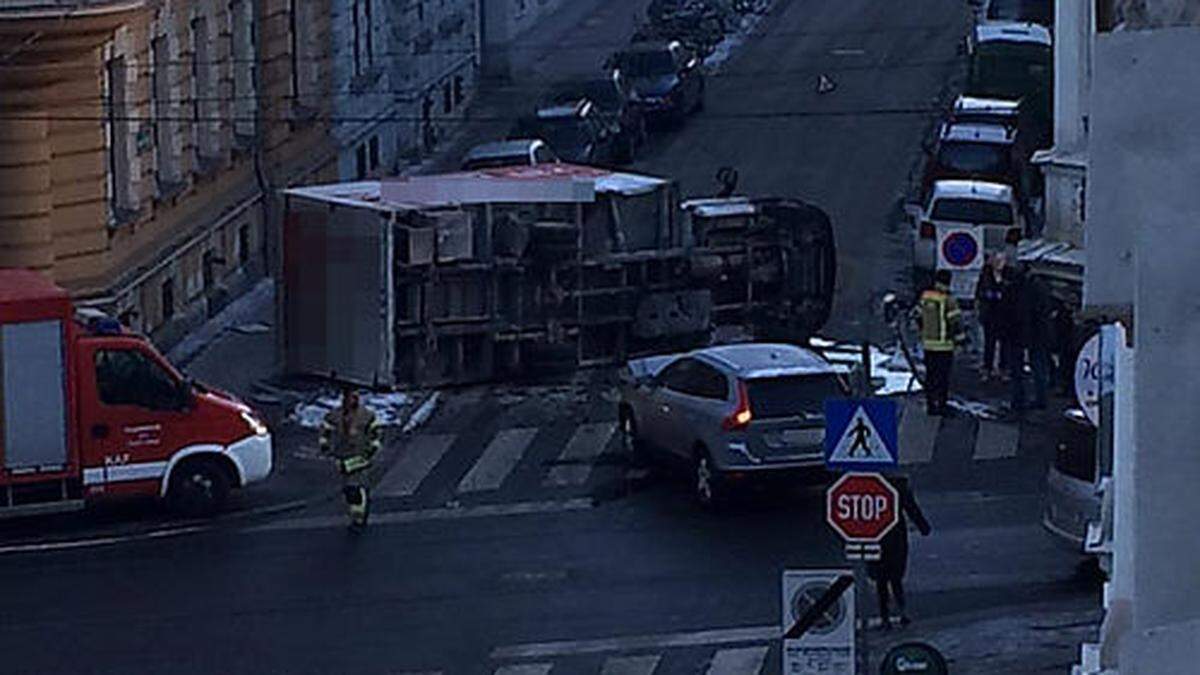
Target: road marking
(417,458)
(587,443)
(630,665)
(526,669)
(847,52)
(917,432)
(744,661)
(424,515)
(102,541)
(717,636)
(498,460)
(996,440)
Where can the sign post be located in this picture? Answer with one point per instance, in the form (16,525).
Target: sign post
(818,622)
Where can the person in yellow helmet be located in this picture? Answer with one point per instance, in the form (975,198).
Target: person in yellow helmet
(939,319)
(351,435)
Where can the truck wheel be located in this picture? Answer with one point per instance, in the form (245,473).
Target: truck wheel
(198,488)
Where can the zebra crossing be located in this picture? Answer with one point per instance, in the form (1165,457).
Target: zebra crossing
(483,466)
(757,659)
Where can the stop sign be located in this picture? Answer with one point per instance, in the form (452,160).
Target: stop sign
(862,507)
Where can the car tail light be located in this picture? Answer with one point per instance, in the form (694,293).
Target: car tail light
(1013,236)
(741,416)
(927,231)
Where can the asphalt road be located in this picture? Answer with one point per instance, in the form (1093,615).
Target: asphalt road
(513,536)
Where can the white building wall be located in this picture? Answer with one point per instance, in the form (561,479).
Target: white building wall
(1142,244)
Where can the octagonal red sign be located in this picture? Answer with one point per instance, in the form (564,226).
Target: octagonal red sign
(862,507)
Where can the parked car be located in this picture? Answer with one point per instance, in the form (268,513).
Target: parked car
(665,76)
(976,151)
(1040,12)
(513,152)
(730,413)
(1014,61)
(614,105)
(979,110)
(1072,499)
(574,132)
(989,210)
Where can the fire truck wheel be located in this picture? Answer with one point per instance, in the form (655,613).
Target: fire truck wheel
(198,488)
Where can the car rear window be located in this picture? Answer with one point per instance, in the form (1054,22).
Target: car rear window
(972,211)
(974,157)
(791,395)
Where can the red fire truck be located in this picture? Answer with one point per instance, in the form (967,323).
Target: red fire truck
(89,411)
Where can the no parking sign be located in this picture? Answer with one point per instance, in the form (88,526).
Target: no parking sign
(959,248)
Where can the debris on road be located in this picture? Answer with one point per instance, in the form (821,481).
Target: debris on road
(389,409)
(890,372)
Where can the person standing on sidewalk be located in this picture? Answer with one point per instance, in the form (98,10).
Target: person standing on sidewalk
(988,296)
(351,434)
(1036,308)
(938,318)
(888,572)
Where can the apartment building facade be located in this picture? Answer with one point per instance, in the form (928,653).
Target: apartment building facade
(145,158)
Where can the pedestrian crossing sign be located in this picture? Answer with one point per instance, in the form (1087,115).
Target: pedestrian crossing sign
(860,434)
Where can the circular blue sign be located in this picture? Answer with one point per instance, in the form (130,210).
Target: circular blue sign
(960,249)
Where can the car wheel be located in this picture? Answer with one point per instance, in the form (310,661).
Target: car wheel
(198,488)
(706,483)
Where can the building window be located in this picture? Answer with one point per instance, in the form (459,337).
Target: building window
(245,87)
(458,90)
(203,92)
(373,151)
(120,177)
(360,168)
(447,99)
(164,121)
(243,240)
(167,299)
(369,31)
(358,42)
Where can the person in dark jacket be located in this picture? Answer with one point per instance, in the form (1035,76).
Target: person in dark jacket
(988,296)
(1032,307)
(888,572)
(1012,321)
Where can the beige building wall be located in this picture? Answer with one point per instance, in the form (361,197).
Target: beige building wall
(129,174)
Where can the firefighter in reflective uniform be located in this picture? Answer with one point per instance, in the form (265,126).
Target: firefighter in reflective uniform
(352,436)
(939,319)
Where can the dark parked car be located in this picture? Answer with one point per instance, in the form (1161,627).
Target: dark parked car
(575,133)
(665,76)
(979,152)
(1040,12)
(614,106)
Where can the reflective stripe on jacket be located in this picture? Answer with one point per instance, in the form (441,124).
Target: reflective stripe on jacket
(939,320)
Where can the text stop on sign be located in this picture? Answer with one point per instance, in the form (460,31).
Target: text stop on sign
(862,507)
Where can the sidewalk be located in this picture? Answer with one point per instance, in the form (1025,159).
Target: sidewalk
(1042,638)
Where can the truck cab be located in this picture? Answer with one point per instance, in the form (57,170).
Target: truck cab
(92,411)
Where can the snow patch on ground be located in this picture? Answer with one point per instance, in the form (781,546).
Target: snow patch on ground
(389,409)
(890,372)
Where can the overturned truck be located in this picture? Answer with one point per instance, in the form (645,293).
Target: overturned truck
(498,273)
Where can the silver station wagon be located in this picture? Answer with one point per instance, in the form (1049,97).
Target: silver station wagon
(729,413)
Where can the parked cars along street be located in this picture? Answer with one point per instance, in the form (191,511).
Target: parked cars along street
(1040,12)
(92,411)
(513,152)
(730,413)
(666,76)
(575,132)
